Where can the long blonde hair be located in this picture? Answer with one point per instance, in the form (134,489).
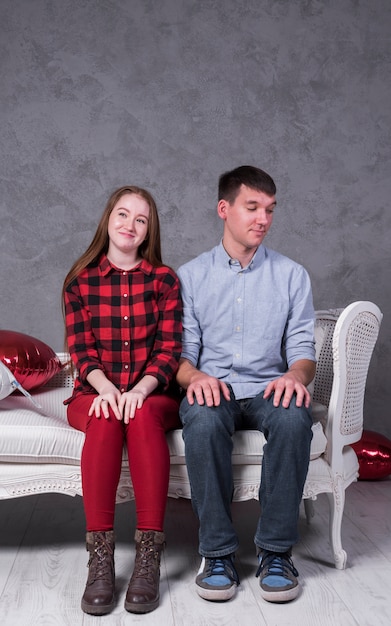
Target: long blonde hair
(150,249)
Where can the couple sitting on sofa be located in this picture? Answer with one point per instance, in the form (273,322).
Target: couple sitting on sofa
(235,331)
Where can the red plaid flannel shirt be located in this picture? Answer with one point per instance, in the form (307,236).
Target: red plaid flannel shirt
(126,323)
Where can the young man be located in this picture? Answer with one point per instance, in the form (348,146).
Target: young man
(248,356)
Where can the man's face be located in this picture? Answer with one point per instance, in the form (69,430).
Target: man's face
(247,220)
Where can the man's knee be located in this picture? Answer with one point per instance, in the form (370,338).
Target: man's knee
(293,421)
(203,421)
(195,414)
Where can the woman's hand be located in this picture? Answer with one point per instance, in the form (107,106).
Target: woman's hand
(134,399)
(101,403)
(129,402)
(123,405)
(108,395)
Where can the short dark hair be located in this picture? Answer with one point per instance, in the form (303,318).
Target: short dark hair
(248,175)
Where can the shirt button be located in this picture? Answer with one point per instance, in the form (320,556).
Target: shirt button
(124,273)
(238,328)
(126,317)
(239,300)
(123,390)
(126,343)
(125,295)
(126,367)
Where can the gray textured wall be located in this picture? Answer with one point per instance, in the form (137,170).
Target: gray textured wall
(168,94)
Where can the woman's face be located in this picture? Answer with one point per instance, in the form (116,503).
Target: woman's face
(128,225)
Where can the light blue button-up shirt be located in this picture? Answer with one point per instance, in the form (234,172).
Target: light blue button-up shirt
(246,326)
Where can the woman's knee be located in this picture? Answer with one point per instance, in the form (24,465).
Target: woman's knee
(104,432)
(158,412)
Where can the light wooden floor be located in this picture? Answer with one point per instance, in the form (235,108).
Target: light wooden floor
(43,566)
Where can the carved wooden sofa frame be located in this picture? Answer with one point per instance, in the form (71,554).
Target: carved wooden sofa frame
(40,452)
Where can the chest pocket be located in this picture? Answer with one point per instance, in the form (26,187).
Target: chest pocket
(267,320)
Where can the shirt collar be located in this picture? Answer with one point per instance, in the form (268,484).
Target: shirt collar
(255,262)
(106,267)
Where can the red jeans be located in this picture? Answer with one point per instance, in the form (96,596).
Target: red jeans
(148,455)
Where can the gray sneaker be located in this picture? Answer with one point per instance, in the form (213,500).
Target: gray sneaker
(217,578)
(277,576)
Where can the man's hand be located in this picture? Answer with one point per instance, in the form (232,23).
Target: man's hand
(284,388)
(293,382)
(206,389)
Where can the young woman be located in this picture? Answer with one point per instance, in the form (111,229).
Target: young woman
(122,312)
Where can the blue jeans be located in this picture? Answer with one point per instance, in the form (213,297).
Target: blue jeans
(207,433)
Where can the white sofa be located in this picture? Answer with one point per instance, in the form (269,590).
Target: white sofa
(40,452)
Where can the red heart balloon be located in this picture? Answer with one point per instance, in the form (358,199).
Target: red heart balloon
(374,455)
(31,361)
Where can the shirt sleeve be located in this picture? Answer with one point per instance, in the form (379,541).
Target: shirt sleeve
(164,359)
(191,337)
(81,341)
(299,341)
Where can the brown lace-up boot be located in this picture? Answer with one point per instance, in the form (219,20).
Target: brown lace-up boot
(143,591)
(98,598)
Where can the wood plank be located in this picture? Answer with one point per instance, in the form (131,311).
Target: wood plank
(43,566)
(15,517)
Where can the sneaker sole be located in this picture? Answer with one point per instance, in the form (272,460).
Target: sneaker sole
(216,595)
(280,596)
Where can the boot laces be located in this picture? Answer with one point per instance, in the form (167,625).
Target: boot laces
(147,559)
(100,562)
